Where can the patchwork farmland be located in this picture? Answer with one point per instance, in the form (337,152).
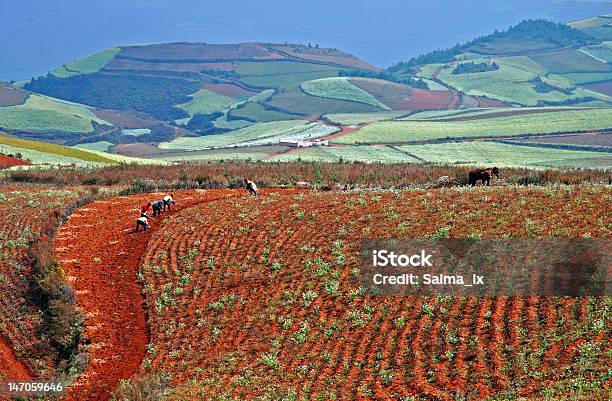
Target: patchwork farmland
(185,221)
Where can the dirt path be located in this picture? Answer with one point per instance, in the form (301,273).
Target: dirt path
(101,254)
(10,366)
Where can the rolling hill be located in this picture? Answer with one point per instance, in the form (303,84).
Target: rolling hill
(176,100)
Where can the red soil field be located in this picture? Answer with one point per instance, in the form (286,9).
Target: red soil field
(601,87)
(322,55)
(590,139)
(126,119)
(420,99)
(100,253)
(23,215)
(199,52)
(259,297)
(229,90)
(7,161)
(487,102)
(11,96)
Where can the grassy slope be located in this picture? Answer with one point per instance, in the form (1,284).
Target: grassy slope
(206,102)
(87,65)
(401,131)
(273,74)
(40,114)
(100,146)
(340,88)
(39,149)
(511,83)
(255,112)
(500,154)
(293,99)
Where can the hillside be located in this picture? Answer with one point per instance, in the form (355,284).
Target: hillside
(200,101)
(534,63)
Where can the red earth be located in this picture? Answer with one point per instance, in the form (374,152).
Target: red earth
(7,161)
(258,298)
(230,90)
(100,253)
(421,99)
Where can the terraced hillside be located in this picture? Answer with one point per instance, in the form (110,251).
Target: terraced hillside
(532,63)
(168,100)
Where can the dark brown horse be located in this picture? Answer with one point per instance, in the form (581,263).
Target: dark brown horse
(483,175)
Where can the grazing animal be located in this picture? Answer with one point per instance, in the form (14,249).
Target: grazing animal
(250,186)
(483,175)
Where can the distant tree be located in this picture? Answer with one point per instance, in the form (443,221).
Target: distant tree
(386,76)
(471,67)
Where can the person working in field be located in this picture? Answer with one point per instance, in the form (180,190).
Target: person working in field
(143,222)
(158,206)
(168,201)
(250,186)
(144,209)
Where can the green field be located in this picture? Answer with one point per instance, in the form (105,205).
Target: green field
(272,74)
(246,153)
(570,61)
(584,77)
(427,71)
(100,146)
(41,114)
(511,83)
(258,134)
(252,111)
(87,65)
(293,99)
(601,52)
(360,118)
(406,131)
(340,88)
(434,86)
(369,154)
(48,153)
(501,154)
(206,102)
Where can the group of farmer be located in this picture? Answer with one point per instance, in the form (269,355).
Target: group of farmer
(161,205)
(157,207)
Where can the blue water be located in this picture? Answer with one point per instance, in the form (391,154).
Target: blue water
(39,35)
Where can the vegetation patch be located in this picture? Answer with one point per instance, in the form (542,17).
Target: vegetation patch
(41,115)
(538,123)
(340,88)
(87,65)
(503,154)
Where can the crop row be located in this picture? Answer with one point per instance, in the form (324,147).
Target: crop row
(260,297)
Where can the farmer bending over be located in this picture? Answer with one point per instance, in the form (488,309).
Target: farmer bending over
(144,209)
(168,200)
(251,187)
(158,205)
(143,222)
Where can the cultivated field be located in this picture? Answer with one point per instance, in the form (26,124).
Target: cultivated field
(25,216)
(340,88)
(503,154)
(254,298)
(46,153)
(258,134)
(537,123)
(41,114)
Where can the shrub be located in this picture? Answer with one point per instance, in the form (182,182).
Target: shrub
(149,387)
